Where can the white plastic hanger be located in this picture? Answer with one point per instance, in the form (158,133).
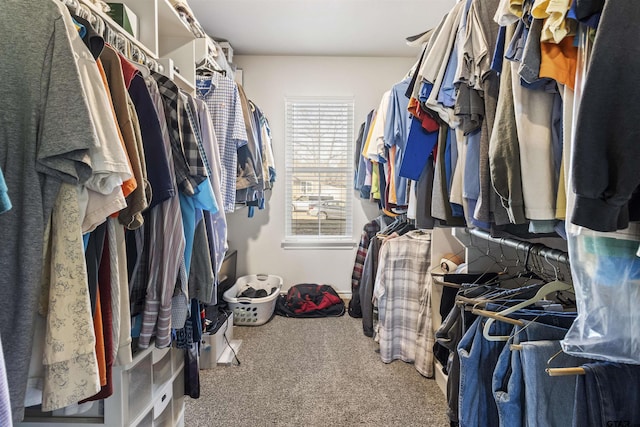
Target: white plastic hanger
(549,288)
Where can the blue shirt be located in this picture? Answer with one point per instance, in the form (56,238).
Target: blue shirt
(419,146)
(155,155)
(191,207)
(498,53)
(396,133)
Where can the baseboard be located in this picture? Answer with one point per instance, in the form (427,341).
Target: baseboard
(345,296)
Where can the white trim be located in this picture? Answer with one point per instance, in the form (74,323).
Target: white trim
(318,244)
(320,172)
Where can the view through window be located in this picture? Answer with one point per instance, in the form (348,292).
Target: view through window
(319,168)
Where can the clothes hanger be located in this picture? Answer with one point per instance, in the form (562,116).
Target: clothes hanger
(548,288)
(559,372)
(72,5)
(554,372)
(207,67)
(397,223)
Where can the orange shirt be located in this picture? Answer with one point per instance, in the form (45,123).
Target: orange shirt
(559,61)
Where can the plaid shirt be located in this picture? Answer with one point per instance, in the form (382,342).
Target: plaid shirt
(195,124)
(403,293)
(190,144)
(170,97)
(369,230)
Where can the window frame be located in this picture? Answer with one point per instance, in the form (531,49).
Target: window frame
(341,241)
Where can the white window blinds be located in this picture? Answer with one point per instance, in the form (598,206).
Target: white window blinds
(319,168)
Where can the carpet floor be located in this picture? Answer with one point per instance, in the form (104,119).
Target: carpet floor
(313,372)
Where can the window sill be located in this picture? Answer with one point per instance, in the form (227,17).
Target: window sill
(318,244)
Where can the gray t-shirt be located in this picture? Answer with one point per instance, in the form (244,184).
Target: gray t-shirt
(46,133)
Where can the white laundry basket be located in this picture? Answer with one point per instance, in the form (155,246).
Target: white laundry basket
(253,311)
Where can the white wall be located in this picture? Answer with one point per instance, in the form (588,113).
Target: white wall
(267,81)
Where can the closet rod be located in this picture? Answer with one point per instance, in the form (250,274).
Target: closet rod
(108,21)
(546,252)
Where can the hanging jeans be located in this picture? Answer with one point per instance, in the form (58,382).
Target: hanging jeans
(549,401)
(608,395)
(508,376)
(478,358)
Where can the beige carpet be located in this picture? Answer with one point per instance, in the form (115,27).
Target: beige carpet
(313,372)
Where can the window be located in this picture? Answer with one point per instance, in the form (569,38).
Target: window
(319,169)
(306,187)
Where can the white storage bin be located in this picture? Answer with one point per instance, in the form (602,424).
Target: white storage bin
(253,311)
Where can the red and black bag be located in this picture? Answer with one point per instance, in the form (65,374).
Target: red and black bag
(310,300)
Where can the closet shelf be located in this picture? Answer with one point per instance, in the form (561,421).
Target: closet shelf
(183,83)
(113,24)
(146,392)
(170,24)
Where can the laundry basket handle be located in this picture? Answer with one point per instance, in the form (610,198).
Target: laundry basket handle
(262,277)
(244,300)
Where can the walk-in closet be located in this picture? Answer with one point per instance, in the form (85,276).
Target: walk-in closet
(319,213)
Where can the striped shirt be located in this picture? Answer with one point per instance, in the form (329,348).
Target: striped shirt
(165,223)
(223,100)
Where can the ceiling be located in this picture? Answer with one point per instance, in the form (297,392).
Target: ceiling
(319,27)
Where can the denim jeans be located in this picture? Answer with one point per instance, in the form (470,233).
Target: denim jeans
(608,395)
(478,357)
(508,382)
(549,401)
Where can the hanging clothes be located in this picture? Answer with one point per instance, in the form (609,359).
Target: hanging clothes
(55,120)
(402,291)
(369,231)
(131,215)
(250,180)
(223,99)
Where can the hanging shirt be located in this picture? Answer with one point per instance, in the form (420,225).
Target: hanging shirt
(46,137)
(104,193)
(403,293)
(136,201)
(223,99)
(420,144)
(556,26)
(267,147)
(361,168)
(174,270)
(217,220)
(158,176)
(250,179)
(396,133)
(170,93)
(375,149)
(69,355)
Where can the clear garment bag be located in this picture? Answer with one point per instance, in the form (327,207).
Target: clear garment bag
(605,269)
